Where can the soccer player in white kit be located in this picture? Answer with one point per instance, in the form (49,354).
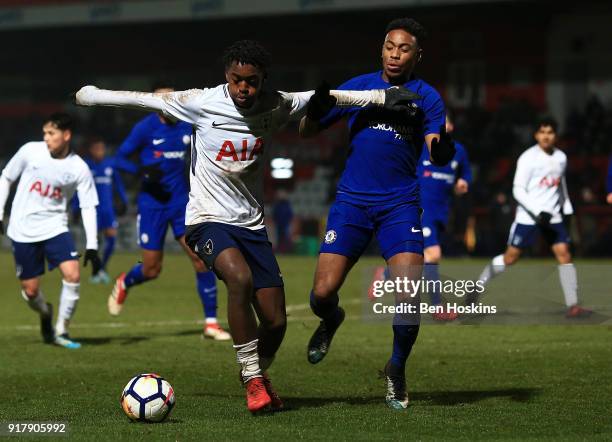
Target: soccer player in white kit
(224,216)
(49,174)
(541,193)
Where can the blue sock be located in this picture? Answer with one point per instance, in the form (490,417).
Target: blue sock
(135,276)
(430,273)
(325,309)
(207,289)
(403,339)
(109,248)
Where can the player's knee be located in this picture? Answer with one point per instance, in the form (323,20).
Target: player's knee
(30,289)
(324,288)
(152,271)
(240,281)
(511,257)
(433,255)
(277,324)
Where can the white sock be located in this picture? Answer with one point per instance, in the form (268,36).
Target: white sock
(494,268)
(211,321)
(248,359)
(37,303)
(68,303)
(569,283)
(264,363)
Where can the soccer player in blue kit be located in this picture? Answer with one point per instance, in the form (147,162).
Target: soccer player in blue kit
(378,192)
(162,144)
(108,181)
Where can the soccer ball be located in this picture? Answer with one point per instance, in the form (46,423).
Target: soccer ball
(147,398)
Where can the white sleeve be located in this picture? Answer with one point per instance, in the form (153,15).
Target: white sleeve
(375,97)
(182,105)
(86,190)
(567,208)
(13,169)
(297,102)
(5,190)
(520,184)
(90,225)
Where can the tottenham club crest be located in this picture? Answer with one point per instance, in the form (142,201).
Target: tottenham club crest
(330,236)
(208,247)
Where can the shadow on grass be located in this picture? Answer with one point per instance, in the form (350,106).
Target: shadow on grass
(121,340)
(439,398)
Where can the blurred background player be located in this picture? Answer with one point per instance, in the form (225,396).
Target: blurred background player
(378,192)
(49,173)
(540,190)
(108,182)
(162,143)
(436,186)
(225,211)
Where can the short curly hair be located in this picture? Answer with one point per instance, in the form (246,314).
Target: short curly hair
(411,26)
(247,52)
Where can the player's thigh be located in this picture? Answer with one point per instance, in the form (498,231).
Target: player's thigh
(232,268)
(106,219)
(398,229)
(511,255)
(198,264)
(348,232)
(562,252)
(152,225)
(269,305)
(29,260)
(61,252)
(152,261)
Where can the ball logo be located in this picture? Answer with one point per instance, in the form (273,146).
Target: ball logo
(330,236)
(186,140)
(426,232)
(108,171)
(209,247)
(144,238)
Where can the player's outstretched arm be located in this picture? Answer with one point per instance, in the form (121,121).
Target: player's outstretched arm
(5,190)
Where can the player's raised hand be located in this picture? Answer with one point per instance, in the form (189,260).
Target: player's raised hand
(399,99)
(83,95)
(442,148)
(320,103)
(91,255)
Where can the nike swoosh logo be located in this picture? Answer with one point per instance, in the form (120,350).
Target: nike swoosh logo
(214,124)
(413,230)
(158,142)
(74,253)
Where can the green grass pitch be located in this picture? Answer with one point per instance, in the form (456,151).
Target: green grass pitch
(465,382)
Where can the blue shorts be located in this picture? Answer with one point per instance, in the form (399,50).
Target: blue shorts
(432,230)
(106,218)
(30,256)
(153,224)
(208,240)
(350,228)
(524,235)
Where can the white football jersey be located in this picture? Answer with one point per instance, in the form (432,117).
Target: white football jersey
(39,210)
(227,150)
(539,185)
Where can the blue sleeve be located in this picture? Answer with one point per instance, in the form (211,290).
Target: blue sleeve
(118,185)
(465,171)
(435,113)
(337,113)
(131,144)
(609,179)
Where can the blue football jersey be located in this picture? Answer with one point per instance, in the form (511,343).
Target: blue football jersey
(163,145)
(436,182)
(385,146)
(107,181)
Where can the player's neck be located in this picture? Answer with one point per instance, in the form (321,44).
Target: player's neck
(548,151)
(396,81)
(61,154)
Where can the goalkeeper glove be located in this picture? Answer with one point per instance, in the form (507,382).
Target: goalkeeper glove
(399,99)
(91,255)
(151,173)
(442,149)
(320,103)
(151,184)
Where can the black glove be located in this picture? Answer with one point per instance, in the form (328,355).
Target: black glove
(151,184)
(152,173)
(1,227)
(442,149)
(543,219)
(320,103)
(399,99)
(121,208)
(91,255)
